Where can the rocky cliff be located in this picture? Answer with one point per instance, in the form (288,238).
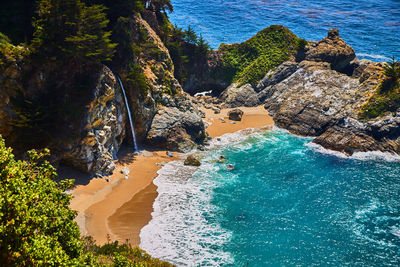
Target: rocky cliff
(164,114)
(77,109)
(321,94)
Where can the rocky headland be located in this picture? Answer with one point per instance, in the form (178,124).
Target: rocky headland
(322,92)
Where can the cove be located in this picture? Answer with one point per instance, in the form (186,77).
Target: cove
(285,204)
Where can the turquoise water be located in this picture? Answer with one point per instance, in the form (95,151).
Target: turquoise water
(285,204)
(372,28)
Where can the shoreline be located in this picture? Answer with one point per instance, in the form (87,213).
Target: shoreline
(120,208)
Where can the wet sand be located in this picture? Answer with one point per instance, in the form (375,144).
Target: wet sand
(98,200)
(253,117)
(120,208)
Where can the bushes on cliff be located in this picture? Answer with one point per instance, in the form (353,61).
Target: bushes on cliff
(248,62)
(37,226)
(188,52)
(387,96)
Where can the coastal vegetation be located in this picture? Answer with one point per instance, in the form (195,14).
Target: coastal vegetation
(387,96)
(37,226)
(248,62)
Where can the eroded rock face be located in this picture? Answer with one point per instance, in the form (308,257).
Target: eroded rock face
(176,130)
(318,101)
(104,129)
(164,116)
(331,49)
(313,98)
(236,96)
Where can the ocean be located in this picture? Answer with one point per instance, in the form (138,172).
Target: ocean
(371,27)
(287,202)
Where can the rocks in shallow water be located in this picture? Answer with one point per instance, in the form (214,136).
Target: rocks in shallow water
(176,130)
(191,160)
(235,114)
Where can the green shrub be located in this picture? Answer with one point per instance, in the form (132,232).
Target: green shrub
(36,224)
(137,80)
(248,62)
(387,96)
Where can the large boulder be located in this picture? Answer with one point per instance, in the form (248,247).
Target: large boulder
(176,130)
(191,160)
(236,96)
(331,49)
(313,98)
(235,114)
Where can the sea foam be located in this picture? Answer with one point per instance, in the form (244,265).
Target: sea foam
(370,155)
(180,231)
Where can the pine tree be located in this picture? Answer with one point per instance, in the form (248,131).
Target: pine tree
(69,28)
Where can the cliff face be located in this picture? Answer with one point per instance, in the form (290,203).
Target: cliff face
(103,128)
(161,112)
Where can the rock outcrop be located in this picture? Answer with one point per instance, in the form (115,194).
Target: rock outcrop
(236,96)
(191,160)
(176,130)
(331,49)
(164,114)
(321,95)
(235,114)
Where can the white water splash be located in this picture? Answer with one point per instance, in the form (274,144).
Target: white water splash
(370,155)
(379,57)
(179,231)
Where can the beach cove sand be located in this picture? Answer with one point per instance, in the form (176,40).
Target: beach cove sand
(119,208)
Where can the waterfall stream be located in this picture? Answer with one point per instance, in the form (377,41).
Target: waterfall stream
(129,115)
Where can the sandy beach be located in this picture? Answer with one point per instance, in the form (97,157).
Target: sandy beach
(119,208)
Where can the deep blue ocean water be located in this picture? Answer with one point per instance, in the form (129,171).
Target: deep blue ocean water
(371,27)
(285,204)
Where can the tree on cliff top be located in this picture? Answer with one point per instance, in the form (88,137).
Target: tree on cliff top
(71,29)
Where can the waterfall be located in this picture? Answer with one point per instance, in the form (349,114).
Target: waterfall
(129,115)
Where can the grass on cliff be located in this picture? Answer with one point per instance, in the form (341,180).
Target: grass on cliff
(387,96)
(248,62)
